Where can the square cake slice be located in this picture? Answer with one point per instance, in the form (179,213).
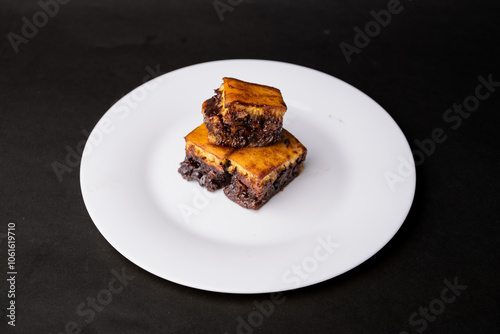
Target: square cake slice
(244,114)
(258,173)
(205,162)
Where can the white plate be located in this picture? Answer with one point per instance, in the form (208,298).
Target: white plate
(353,195)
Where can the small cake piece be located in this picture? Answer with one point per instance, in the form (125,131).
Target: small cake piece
(258,173)
(244,114)
(205,162)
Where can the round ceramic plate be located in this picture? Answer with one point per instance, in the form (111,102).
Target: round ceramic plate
(352,196)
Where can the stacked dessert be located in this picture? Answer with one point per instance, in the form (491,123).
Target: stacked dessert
(242,146)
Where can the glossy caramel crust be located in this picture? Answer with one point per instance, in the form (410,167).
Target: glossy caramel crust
(197,144)
(244,114)
(262,164)
(204,162)
(253,197)
(249,176)
(241,96)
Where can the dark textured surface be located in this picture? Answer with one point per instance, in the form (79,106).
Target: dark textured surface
(193,169)
(256,197)
(233,130)
(91,53)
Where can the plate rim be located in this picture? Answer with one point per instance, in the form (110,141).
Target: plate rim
(312,282)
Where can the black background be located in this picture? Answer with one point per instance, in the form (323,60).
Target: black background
(91,53)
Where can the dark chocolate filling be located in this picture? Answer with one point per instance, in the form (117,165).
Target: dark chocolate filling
(255,198)
(212,106)
(248,134)
(241,131)
(194,169)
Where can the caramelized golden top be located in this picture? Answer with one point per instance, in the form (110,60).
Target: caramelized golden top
(197,143)
(259,164)
(253,98)
(263,164)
